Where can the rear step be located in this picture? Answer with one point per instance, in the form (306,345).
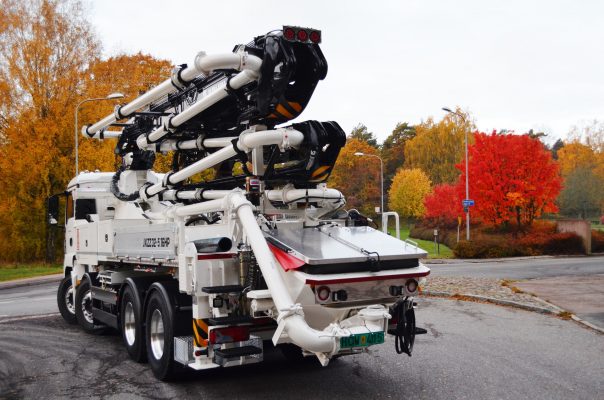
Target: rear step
(236,320)
(222,289)
(236,352)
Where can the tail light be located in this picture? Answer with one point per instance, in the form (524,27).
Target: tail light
(411,285)
(301,35)
(229,334)
(323,293)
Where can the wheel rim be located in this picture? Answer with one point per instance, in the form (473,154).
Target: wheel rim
(129,324)
(157,334)
(87,307)
(69,303)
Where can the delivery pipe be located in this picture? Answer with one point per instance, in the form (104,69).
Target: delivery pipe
(203,64)
(248,74)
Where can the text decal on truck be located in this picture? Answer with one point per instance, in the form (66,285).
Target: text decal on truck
(156,242)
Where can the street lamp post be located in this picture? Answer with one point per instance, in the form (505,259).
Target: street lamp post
(359,154)
(112,96)
(460,115)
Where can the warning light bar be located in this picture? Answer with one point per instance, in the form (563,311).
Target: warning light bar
(301,35)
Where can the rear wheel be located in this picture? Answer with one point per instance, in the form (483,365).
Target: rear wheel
(132,325)
(159,333)
(83,308)
(66,301)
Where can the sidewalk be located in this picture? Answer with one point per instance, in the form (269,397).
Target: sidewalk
(38,280)
(485,289)
(496,260)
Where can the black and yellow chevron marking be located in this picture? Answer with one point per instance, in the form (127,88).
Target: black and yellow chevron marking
(320,174)
(200,333)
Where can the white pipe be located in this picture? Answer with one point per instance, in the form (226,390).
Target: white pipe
(198,194)
(248,140)
(296,326)
(287,195)
(106,134)
(250,72)
(203,64)
(173,144)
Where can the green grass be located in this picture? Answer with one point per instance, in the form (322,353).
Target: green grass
(426,245)
(11,272)
(599,227)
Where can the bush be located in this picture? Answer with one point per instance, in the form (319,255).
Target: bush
(540,239)
(597,241)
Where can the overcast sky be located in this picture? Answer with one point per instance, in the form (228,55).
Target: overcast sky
(513,64)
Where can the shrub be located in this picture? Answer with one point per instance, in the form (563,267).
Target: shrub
(597,241)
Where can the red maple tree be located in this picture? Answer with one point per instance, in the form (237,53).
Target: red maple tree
(513,178)
(443,205)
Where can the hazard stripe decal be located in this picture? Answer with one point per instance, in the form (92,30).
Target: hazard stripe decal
(200,333)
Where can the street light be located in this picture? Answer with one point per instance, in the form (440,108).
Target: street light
(112,96)
(359,154)
(467,181)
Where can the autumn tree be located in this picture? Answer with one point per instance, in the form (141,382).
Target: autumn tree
(437,147)
(513,178)
(443,205)
(50,58)
(393,150)
(583,194)
(408,191)
(45,46)
(360,132)
(576,155)
(358,178)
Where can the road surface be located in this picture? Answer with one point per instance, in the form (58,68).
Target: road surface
(471,351)
(527,268)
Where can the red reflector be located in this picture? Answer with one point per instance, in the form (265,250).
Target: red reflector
(289,33)
(323,293)
(229,335)
(198,353)
(302,35)
(315,37)
(411,285)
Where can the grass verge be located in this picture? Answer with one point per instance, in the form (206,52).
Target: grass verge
(433,252)
(10,272)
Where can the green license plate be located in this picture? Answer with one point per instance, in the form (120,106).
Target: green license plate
(362,340)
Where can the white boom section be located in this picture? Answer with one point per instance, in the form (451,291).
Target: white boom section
(250,71)
(203,64)
(248,140)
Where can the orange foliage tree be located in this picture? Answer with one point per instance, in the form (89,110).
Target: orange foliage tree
(358,178)
(513,178)
(48,63)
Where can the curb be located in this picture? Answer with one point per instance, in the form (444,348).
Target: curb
(555,312)
(493,300)
(497,260)
(39,280)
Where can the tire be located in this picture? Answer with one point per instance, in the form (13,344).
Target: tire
(83,308)
(132,327)
(159,334)
(66,301)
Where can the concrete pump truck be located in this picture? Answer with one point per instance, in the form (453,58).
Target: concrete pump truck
(207,273)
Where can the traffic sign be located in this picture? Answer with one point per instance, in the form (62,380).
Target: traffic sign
(467,203)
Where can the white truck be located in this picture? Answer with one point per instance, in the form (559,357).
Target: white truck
(204,273)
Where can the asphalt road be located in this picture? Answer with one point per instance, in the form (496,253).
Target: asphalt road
(528,268)
(471,351)
(29,300)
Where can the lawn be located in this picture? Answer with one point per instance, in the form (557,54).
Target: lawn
(11,272)
(426,245)
(599,227)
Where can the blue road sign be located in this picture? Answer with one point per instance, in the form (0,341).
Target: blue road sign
(467,203)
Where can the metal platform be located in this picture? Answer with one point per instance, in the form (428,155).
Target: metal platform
(333,244)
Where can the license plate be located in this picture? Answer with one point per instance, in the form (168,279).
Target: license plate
(362,340)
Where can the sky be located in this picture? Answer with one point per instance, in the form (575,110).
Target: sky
(515,65)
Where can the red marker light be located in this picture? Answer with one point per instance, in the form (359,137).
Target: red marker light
(289,33)
(302,35)
(315,37)
(411,285)
(323,293)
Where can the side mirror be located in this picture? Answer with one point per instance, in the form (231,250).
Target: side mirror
(52,217)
